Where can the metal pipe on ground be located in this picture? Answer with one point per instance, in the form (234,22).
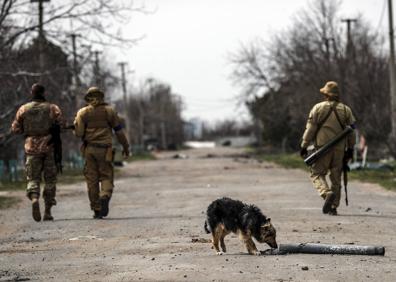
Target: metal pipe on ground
(309,248)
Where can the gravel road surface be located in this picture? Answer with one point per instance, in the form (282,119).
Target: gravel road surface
(154,231)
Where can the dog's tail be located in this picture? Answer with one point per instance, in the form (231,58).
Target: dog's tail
(207,227)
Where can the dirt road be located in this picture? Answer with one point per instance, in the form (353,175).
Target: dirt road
(158,209)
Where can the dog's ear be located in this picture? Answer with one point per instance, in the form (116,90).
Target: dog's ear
(267,223)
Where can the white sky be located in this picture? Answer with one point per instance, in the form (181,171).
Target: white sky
(188,41)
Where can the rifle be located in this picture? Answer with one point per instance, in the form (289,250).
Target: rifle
(55,132)
(310,160)
(345,170)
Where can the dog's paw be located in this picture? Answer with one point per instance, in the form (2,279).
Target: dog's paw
(256,253)
(220,253)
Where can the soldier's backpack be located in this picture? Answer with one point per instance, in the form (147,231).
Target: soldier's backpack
(37,119)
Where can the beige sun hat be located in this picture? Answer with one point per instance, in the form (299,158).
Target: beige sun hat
(330,89)
(94,96)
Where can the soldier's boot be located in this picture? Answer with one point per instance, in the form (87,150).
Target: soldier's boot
(36,208)
(97,215)
(330,197)
(47,213)
(333,211)
(104,202)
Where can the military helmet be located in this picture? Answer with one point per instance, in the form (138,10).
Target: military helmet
(94,92)
(330,89)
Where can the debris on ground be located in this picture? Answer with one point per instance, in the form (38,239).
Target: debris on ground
(228,168)
(200,240)
(180,156)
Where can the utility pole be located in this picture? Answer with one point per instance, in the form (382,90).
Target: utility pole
(41,36)
(75,62)
(349,36)
(76,83)
(392,79)
(97,69)
(327,46)
(345,62)
(124,97)
(123,84)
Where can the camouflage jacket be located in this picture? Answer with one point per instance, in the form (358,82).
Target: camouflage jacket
(33,120)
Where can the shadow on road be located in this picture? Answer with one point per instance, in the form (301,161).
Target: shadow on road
(369,215)
(122,218)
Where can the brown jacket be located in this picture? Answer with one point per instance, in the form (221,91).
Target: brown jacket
(36,144)
(95,124)
(331,127)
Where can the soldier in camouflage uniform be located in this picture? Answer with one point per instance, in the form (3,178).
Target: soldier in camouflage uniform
(95,124)
(34,121)
(325,121)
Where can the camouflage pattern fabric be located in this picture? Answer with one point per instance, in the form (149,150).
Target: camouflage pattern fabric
(36,167)
(36,141)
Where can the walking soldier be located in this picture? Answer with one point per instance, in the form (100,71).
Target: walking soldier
(35,120)
(95,124)
(325,121)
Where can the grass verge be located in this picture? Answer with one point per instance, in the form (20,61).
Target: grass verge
(141,156)
(6,202)
(290,161)
(386,179)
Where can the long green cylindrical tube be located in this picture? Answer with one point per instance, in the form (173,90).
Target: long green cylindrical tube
(325,148)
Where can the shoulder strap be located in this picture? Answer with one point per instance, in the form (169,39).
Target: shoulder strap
(320,124)
(337,116)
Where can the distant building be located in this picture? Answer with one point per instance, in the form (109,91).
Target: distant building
(193,129)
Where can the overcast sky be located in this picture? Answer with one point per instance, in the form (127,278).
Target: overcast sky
(188,41)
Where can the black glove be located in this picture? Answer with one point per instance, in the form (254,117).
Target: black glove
(348,155)
(303,153)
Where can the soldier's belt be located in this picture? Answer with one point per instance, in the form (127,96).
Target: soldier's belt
(96,145)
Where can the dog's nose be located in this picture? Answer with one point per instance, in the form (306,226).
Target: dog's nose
(275,245)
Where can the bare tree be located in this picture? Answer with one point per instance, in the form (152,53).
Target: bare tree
(97,21)
(155,115)
(280,80)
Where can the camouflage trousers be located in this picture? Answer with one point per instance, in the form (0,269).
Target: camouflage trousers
(36,167)
(98,172)
(331,162)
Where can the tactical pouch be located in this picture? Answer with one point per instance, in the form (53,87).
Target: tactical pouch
(109,154)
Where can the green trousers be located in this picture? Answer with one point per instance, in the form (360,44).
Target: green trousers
(36,167)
